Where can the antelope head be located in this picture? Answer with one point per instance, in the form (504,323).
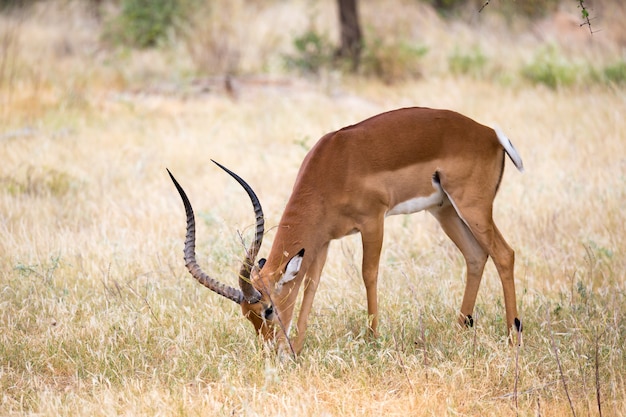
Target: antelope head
(256,303)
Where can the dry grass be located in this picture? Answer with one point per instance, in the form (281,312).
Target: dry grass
(99,317)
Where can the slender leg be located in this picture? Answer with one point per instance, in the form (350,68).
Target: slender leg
(504,259)
(372,238)
(476,212)
(311,282)
(490,239)
(475,257)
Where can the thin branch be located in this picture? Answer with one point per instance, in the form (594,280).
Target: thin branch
(527,392)
(585,15)
(576,339)
(422,332)
(538,407)
(597,366)
(145,300)
(402,365)
(483,6)
(558,362)
(583,11)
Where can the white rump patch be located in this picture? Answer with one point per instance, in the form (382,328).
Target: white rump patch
(509,149)
(418,203)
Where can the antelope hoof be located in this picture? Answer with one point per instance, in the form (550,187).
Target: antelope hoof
(517,327)
(466,320)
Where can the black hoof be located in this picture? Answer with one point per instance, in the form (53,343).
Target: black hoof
(469,321)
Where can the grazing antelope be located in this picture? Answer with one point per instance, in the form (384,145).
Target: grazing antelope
(399,162)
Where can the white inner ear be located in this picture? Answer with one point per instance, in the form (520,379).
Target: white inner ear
(293,267)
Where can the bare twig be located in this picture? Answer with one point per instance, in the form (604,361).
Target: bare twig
(538,407)
(422,334)
(583,11)
(585,15)
(483,6)
(402,366)
(577,340)
(145,300)
(528,391)
(558,362)
(597,366)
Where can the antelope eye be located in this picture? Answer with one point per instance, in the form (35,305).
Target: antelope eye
(261,263)
(268,313)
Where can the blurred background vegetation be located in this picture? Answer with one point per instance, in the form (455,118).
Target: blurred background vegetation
(236,38)
(97,97)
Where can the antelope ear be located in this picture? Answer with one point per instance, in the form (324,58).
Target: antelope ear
(292,269)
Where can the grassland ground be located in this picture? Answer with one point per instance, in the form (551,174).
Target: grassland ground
(98,315)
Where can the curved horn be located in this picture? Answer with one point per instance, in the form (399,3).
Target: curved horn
(190,254)
(249,292)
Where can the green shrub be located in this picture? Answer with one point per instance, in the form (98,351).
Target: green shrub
(510,9)
(550,69)
(471,62)
(313,51)
(389,59)
(143,23)
(616,73)
(15,4)
(213,35)
(38,182)
(527,8)
(392,60)
(446,7)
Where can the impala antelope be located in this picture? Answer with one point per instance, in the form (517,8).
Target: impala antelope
(398,162)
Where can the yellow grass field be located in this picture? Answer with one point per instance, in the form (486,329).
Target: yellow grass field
(99,317)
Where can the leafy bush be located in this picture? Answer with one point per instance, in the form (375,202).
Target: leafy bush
(527,8)
(143,23)
(446,7)
(214,36)
(616,73)
(550,69)
(392,60)
(471,62)
(38,182)
(313,51)
(11,4)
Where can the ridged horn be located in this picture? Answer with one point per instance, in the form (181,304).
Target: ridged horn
(249,292)
(190,254)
